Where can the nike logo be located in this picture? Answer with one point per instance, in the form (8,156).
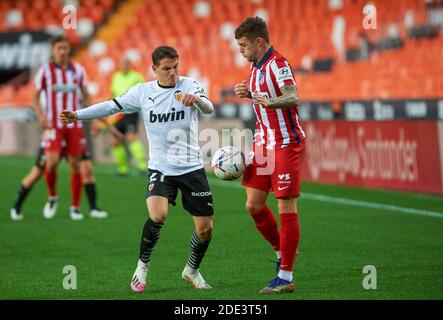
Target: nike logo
(280,188)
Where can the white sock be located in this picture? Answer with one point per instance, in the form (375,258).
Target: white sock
(142,264)
(190,270)
(278,253)
(285,275)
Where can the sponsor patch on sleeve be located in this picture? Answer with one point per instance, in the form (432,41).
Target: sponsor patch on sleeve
(284,74)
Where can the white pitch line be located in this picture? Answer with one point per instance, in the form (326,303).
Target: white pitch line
(343,201)
(365,204)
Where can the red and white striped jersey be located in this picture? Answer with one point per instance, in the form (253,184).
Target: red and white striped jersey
(62,90)
(276,128)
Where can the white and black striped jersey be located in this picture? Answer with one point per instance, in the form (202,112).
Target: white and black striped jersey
(171,127)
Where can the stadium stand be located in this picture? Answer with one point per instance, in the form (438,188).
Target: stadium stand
(403,57)
(47,16)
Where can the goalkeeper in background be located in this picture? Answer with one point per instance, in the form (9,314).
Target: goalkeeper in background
(127,124)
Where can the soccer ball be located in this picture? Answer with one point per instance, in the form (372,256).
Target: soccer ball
(228,163)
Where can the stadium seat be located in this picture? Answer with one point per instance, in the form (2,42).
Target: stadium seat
(206,42)
(36,15)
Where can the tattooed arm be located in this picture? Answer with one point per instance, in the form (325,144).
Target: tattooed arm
(288,99)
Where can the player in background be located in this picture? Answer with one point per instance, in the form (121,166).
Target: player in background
(63,83)
(127,124)
(38,170)
(170,108)
(280,139)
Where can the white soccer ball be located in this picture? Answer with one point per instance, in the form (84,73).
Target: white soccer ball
(228,163)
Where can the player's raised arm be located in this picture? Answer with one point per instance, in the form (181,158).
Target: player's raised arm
(99,110)
(127,103)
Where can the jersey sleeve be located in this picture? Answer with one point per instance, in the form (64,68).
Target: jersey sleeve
(282,73)
(40,79)
(205,105)
(129,102)
(197,89)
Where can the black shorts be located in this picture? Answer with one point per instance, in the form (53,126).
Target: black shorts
(129,123)
(40,160)
(196,195)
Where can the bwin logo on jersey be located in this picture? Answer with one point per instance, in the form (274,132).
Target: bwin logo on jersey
(165,117)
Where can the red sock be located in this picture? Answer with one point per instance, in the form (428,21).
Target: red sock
(289,238)
(51,179)
(267,225)
(76,188)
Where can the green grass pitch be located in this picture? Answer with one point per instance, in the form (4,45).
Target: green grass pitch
(337,241)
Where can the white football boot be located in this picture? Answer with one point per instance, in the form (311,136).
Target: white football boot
(15,215)
(138,282)
(97,213)
(75,213)
(50,208)
(195,278)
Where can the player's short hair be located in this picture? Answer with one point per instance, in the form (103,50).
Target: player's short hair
(58,39)
(252,28)
(163,52)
